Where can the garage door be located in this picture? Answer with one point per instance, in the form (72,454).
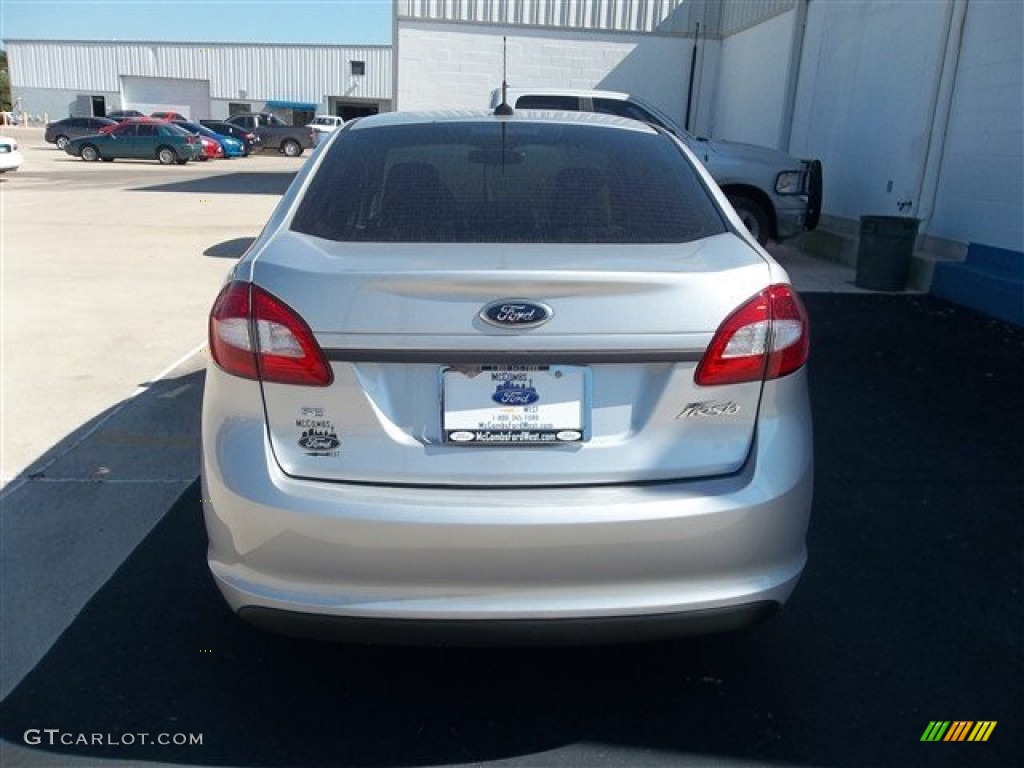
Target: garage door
(166,94)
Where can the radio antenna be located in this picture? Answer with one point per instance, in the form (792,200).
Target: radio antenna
(503,108)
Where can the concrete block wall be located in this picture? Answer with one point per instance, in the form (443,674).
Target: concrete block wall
(447,66)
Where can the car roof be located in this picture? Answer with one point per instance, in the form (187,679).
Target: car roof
(617,95)
(524,116)
(144,120)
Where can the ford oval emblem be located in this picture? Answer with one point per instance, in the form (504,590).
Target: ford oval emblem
(510,394)
(319,442)
(516,313)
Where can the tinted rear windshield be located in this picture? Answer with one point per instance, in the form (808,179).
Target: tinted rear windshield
(506,182)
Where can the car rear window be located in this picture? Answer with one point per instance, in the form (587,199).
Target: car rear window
(549,101)
(506,181)
(625,109)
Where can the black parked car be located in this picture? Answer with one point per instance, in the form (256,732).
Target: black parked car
(252,142)
(60,132)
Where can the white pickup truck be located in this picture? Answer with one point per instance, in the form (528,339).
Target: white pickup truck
(776,196)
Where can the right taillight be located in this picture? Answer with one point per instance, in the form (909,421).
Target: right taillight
(766,337)
(257,336)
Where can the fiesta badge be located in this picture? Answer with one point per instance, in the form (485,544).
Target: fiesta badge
(516,313)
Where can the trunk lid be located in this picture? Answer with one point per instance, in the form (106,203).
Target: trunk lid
(426,391)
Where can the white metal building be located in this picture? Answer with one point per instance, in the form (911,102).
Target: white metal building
(58,78)
(915,108)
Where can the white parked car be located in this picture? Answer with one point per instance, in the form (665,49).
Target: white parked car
(325,123)
(523,377)
(10,158)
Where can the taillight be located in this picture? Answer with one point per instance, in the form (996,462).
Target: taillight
(767,337)
(257,336)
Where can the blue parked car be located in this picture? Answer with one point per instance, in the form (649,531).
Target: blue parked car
(232,147)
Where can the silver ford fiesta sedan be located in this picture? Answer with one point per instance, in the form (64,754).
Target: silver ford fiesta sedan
(516,379)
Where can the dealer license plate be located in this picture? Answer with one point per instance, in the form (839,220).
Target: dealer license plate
(515,405)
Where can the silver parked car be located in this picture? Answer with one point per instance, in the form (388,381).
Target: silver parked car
(525,378)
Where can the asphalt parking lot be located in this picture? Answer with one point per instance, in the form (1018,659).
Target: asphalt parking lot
(909,610)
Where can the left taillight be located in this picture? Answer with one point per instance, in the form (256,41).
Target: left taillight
(255,335)
(766,337)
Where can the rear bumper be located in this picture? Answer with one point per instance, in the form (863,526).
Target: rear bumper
(796,214)
(326,558)
(790,215)
(10,161)
(503,632)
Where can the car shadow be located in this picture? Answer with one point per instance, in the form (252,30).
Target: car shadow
(158,401)
(229,249)
(257,183)
(909,611)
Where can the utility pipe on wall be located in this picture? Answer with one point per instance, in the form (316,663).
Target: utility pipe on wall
(795,62)
(693,72)
(942,107)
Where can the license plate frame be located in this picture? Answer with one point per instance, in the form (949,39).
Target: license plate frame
(515,405)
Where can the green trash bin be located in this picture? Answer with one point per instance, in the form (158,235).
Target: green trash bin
(885,250)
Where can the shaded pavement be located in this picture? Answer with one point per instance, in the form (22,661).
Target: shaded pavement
(909,611)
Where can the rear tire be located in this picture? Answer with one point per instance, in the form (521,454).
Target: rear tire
(753,216)
(62,142)
(90,154)
(291,148)
(166,156)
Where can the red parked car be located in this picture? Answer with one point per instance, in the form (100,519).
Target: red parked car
(211,148)
(129,121)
